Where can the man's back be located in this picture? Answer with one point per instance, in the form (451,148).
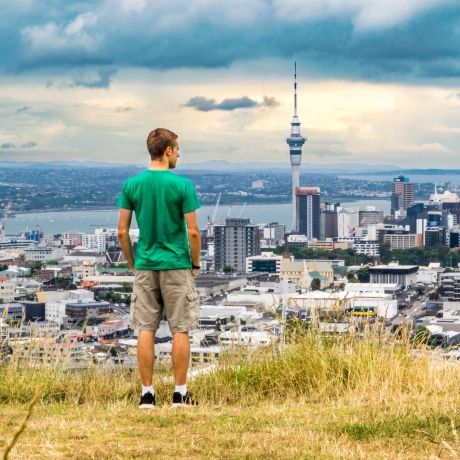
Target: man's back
(160,199)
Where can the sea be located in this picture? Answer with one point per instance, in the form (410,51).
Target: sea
(52,223)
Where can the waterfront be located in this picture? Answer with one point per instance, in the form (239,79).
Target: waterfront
(437,179)
(86,221)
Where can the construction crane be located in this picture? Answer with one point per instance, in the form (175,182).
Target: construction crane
(242,210)
(212,220)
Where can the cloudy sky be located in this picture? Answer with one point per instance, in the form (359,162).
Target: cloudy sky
(379,80)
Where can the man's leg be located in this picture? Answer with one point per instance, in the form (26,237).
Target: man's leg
(145,356)
(180,357)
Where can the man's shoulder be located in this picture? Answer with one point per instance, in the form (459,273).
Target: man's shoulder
(180,179)
(135,177)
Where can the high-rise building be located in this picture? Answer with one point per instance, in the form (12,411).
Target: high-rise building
(273,233)
(402,194)
(233,242)
(347,222)
(370,216)
(295,142)
(329,220)
(308,220)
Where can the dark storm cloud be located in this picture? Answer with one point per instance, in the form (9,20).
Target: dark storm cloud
(29,145)
(103,80)
(269,102)
(204,104)
(22,109)
(359,39)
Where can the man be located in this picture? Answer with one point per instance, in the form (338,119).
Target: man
(167,260)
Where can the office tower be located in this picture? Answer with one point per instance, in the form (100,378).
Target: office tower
(347,222)
(295,142)
(308,211)
(329,220)
(402,194)
(273,233)
(233,242)
(370,216)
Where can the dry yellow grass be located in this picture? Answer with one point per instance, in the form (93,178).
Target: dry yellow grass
(411,429)
(318,398)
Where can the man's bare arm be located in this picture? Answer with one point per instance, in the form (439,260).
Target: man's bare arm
(124,224)
(194,236)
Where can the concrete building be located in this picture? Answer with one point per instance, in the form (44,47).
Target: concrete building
(347,222)
(6,290)
(308,218)
(302,272)
(370,248)
(297,241)
(402,195)
(233,242)
(402,240)
(370,216)
(265,262)
(83,270)
(374,301)
(450,285)
(329,245)
(430,274)
(273,234)
(12,313)
(106,280)
(43,254)
(82,255)
(329,224)
(96,242)
(393,273)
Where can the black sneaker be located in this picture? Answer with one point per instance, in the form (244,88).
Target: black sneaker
(178,400)
(147,401)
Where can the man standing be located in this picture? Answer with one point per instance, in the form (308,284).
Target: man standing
(167,260)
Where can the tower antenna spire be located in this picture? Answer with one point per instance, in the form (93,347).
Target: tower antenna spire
(295,88)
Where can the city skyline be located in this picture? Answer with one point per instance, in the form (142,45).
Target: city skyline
(83,81)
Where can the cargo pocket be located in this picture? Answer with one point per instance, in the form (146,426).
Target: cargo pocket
(193,309)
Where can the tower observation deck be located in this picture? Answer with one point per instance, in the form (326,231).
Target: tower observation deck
(295,142)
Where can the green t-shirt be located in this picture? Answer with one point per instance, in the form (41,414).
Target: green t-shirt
(160,199)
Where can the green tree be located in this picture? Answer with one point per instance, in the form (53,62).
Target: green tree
(385,253)
(228,268)
(421,336)
(36,266)
(363,275)
(315,284)
(420,290)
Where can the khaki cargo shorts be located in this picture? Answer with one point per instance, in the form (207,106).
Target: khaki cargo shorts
(171,291)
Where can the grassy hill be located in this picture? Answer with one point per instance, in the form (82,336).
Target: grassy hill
(316,398)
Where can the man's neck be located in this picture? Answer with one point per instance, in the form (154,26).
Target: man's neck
(159,165)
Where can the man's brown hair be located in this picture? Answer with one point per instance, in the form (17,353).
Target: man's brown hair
(159,140)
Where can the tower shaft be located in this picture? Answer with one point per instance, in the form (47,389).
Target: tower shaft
(295,142)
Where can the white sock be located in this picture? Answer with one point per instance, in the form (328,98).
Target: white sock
(182,389)
(147,390)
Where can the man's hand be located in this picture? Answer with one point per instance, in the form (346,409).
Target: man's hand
(194,271)
(124,224)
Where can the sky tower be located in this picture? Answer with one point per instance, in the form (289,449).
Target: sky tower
(295,142)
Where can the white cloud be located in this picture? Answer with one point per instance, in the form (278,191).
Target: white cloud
(79,33)
(365,14)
